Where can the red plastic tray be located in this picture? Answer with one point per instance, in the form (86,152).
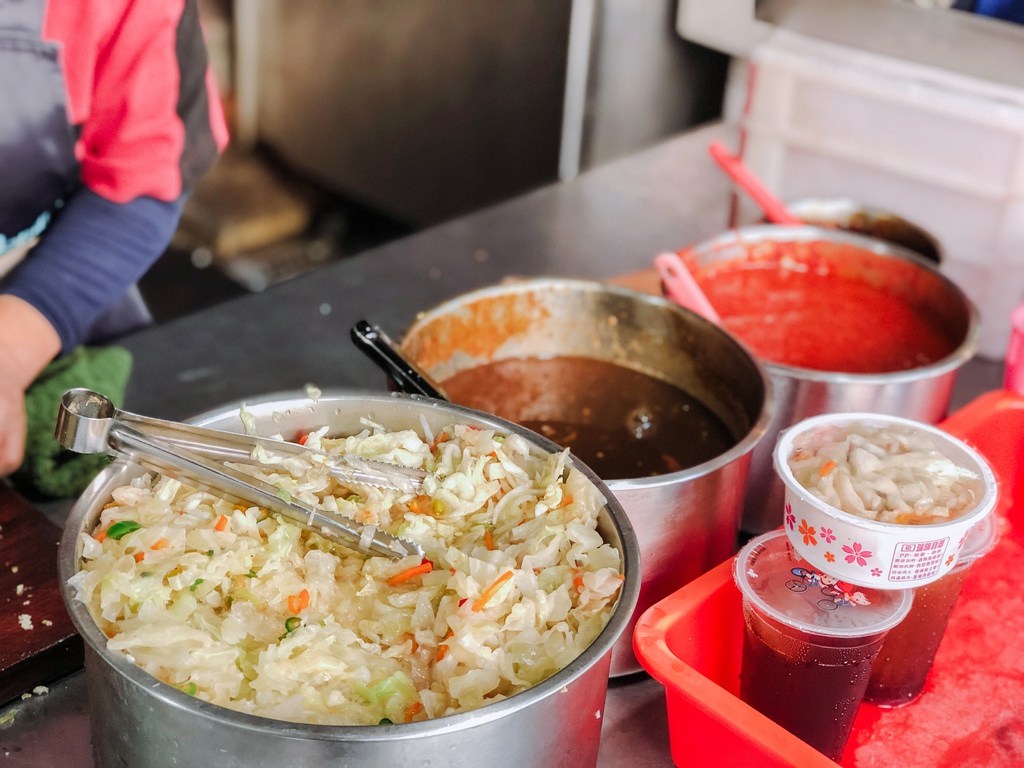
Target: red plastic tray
(971,712)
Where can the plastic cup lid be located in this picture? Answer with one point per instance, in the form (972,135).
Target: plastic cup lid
(982,536)
(778,582)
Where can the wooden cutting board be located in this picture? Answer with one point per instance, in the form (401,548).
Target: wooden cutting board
(30,595)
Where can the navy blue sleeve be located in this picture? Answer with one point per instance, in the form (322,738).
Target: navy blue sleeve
(89,256)
(1009,10)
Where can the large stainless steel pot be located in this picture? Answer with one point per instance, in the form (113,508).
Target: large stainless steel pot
(920,393)
(686,522)
(139,721)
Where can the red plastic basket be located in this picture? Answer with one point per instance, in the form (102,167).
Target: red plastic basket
(692,640)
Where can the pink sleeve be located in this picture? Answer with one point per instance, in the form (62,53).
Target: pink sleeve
(140,87)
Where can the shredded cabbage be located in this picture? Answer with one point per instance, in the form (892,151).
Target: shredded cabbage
(893,474)
(242,609)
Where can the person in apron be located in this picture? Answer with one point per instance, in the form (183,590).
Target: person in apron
(108,116)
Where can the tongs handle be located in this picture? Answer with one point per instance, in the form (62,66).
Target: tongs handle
(376,345)
(232,446)
(89,423)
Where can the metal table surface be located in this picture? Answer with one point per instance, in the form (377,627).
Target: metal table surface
(609,221)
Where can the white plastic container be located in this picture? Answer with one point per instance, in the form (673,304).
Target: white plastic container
(868,552)
(942,149)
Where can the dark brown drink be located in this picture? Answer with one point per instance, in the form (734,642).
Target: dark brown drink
(810,641)
(813,691)
(909,648)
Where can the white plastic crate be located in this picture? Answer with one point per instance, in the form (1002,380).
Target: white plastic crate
(938,148)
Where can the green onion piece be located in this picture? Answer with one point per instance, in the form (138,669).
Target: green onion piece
(195,584)
(251,574)
(438,507)
(292,623)
(209,553)
(122,528)
(144,574)
(499,438)
(189,688)
(385,721)
(353,498)
(283,495)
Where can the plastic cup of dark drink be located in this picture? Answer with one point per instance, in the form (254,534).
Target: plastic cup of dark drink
(906,657)
(810,641)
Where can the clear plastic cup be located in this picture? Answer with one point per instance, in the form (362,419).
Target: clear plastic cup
(909,649)
(810,641)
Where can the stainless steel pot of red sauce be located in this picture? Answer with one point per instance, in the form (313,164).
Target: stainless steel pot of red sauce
(662,404)
(842,322)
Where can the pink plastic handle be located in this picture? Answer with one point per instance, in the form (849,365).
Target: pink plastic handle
(1014,376)
(681,286)
(774,209)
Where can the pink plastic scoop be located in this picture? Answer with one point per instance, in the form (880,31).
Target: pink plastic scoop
(774,209)
(681,287)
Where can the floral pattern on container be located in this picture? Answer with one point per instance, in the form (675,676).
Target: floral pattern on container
(856,554)
(808,533)
(790,517)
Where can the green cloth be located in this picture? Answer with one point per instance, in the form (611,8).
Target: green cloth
(50,470)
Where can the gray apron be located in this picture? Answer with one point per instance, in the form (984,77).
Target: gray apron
(38,169)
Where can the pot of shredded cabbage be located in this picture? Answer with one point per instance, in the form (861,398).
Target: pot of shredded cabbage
(219,633)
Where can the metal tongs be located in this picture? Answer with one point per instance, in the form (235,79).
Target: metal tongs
(88,422)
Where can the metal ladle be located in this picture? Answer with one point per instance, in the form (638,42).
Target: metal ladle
(88,422)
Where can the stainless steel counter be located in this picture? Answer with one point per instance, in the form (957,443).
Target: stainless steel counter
(607,222)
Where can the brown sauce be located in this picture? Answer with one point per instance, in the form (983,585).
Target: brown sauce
(620,423)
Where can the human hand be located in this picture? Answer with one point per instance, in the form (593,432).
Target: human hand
(12,423)
(27,343)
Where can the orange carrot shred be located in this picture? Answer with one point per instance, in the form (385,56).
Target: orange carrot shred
(827,467)
(160,544)
(488,539)
(139,556)
(303,439)
(442,651)
(489,592)
(566,500)
(578,583)
(101,536)
(412,711)
(299,602)
(222,523)
(410,573)
(421,505)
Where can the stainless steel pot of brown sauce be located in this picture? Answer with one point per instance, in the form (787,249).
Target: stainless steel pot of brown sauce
(663,405)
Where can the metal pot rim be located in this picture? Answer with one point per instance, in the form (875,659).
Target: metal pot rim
(754,434)
(602,644)
(807,233)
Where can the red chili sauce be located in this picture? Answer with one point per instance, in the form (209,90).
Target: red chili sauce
(832,307)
